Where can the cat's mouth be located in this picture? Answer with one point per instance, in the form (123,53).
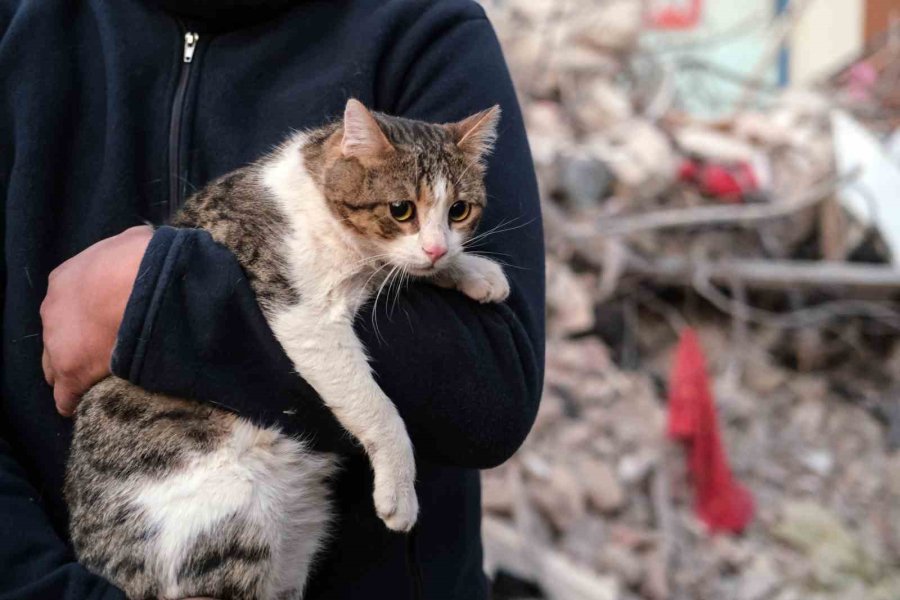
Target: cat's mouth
(427,269)
(423,271)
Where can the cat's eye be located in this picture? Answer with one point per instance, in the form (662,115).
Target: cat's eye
(402,210)
(459,211)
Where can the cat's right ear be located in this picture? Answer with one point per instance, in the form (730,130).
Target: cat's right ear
(363,138)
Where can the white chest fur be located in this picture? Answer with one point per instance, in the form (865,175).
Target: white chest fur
(326,265)
(330,273)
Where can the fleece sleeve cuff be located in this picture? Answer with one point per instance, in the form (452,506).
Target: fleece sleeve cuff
(143,304)
(193,329)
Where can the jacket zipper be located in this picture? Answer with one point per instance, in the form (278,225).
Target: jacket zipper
(175,185)
(175,200)
(413,561)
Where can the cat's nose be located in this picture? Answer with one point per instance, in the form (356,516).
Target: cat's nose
(435,252)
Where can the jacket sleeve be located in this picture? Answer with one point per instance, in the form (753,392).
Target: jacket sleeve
(465,377)
(35,563)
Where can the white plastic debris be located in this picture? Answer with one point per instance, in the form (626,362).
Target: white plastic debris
(873,196)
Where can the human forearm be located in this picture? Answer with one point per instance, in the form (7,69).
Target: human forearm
(193,329)
(464,376)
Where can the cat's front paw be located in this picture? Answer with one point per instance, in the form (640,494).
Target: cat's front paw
(396,503)
(483,280)
(395,485)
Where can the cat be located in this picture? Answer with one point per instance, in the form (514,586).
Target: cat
(172,498)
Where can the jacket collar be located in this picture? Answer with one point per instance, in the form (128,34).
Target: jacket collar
(222,12)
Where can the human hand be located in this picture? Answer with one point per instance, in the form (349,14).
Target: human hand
(81,314)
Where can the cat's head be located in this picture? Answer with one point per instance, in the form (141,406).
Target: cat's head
(412,193)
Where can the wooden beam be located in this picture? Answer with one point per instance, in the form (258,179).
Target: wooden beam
(696,216)
(772,274)
(560,579)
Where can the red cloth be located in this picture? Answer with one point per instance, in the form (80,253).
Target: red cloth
(719,182)
(675,16)
(720,500)
(727,183)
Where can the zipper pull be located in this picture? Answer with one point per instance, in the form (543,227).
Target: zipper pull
(190,44)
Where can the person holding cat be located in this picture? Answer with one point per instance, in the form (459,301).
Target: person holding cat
(113,113)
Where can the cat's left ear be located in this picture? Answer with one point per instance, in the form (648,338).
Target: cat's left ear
(475,135)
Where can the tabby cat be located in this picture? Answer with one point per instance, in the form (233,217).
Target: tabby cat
(171,498)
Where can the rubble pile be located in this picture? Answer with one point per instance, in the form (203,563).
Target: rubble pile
(748,229)
(598,482)
(620,162)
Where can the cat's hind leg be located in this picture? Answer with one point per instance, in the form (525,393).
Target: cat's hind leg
(174,499)
(244,521)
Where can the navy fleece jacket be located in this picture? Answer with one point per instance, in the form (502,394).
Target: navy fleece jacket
(103,125)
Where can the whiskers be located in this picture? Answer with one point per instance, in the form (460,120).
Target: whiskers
(397,275)
(493,256)
(501,227)
(371,259)
(471,245)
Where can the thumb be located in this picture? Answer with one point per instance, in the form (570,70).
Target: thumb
(65,399)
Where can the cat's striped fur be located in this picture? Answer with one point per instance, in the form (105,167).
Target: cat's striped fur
(171,498)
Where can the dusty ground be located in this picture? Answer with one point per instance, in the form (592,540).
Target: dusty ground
(605,487)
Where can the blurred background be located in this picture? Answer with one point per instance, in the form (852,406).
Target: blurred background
(721,416)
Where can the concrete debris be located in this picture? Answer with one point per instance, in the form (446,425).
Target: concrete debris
(599,444)
(837,558)
(570,303)
(640,155)
(604,491)
(560,497)
(741,228)
(710,144)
